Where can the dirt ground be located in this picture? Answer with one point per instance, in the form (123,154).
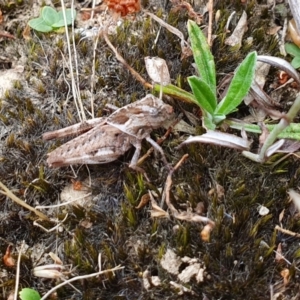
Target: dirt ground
(160,257)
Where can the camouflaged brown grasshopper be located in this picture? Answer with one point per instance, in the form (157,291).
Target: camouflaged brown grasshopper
(103,140)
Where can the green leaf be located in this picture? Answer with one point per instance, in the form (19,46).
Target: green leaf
(239,86)
(292,49)
(49,15)
(218,118)
(39,24)
(69,19)
(206,99)
(203,58)
(207,123)
(296,62)
(29,294)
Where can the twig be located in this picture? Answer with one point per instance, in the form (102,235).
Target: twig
(159,142)
(7,35)
(93,72)
(79,278)
(210,7)
(35,223)
(286,231)
(170,28)
(75,90)
(18,271)
(169,184)
(13,197)
(135,74)
(185,215)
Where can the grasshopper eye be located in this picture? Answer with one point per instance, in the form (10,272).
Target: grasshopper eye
(153,111)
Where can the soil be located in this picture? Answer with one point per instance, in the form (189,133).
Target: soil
(238,259)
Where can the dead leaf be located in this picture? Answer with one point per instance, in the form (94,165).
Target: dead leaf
(189,272)
(273,30)
(158,70)
(281,215)
(156,211)
(274,148)
(281,64)
(55,258)
(7,259)
(295,197)
(171,262)
(183,126)
(235,40)
(289,146)
(220,139)
(279,257)
(285,273)
(86,224)
(150,281)
(294,34)
(144,201)
(27,33)
(205,233)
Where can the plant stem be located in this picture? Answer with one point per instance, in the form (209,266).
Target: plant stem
(290,132)
(177,92)
(284,122)
(5,191)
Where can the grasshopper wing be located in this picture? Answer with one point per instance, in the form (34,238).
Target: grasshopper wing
(100,145)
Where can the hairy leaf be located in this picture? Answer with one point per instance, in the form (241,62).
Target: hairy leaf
(204,95)
(239,86)
(39,24)
(49,15)
(202,55)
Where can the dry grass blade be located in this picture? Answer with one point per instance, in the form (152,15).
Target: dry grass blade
(135,74)
(18,271)
(187,215)
(80,278)
(172,29)
(286,231)
(5,191)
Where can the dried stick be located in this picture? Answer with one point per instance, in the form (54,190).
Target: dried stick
(80,278)
(18,271)
(13,197)
(186,215)
(286,231)
(169,184)
(159,142)
(210,7)
(75,85)
(134,73)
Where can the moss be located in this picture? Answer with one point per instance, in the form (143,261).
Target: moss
(239,258)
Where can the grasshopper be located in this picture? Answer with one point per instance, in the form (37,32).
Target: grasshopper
(103,140)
